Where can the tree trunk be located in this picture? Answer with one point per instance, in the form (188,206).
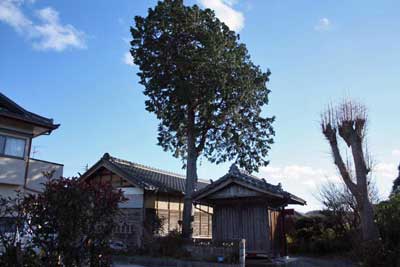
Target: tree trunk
(191,178)
(368,226)
(369,229)
(358,190)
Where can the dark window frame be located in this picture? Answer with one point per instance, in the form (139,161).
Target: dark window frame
(3,149)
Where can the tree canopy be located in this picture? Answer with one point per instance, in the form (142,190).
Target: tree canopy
(201,84)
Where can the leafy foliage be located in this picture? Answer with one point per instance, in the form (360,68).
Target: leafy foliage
(388,219)
(13,231)
(70,223)
(319,235)
(201,84)
(170,245)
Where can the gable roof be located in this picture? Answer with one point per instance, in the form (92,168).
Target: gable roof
(10,109)
(241,177)
(143,176)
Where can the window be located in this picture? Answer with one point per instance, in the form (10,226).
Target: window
(11,146)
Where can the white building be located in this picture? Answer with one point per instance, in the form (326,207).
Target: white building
(18,127)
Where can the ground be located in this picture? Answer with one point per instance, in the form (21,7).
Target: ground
(293,262)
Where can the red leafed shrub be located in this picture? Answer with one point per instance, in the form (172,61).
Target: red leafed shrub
(72,221)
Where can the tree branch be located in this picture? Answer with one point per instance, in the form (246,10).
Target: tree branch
(330,134)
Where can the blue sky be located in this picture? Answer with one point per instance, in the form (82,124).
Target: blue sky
(67,60)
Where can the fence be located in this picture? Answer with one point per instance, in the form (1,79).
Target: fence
(229,251)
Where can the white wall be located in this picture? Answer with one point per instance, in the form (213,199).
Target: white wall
(35,174)
(12,171)
(9,190)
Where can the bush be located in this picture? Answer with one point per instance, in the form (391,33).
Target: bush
(70,223)
(171,245)
(387,217)
(317,235)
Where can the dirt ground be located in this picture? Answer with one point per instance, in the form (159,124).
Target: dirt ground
(301,262)
(291,262)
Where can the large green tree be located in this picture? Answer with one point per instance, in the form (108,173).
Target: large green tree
(204,89)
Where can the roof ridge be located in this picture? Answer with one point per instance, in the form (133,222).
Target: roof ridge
(234,170)
(24,112)
(149,168)
(10,101)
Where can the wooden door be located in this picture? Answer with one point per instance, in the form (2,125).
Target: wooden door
(243,221)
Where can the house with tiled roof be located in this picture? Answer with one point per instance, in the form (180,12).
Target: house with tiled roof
(18,128)
(152,193)
(250,208)
(155,193)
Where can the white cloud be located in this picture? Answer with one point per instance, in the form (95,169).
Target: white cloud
(54,35)
(48,33)
(383,175)
(323,24)
(301,175)
(396,153)
(225,12)
(303,181)
(11,14)
(385,170)
(127,59)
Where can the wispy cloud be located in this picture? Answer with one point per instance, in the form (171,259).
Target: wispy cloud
(127,59)
(225,12)
(300,180)
(11,14)
(305,181)
(396,153)
(385,171)
(299,174)
(324,24)
(47,32)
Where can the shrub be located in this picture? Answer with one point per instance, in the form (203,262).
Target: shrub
(387,216)
(171,245)
(70,223)
(317,235)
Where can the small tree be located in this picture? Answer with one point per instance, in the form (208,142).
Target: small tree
(72,221)
(341,205)
(202,85)
(348,120)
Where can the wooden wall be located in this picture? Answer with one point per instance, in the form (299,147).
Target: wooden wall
(250,222)
(166,206)
(106,175)
(170,209)
(129,227)
(202,224)
(275,231)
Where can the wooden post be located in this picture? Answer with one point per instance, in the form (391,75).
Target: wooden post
(242,252)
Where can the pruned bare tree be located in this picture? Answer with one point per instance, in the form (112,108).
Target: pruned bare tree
(337,199)
(348,121)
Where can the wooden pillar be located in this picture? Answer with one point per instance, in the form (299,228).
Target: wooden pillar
(208,220)
(283,234)
(242,253)
(200,212)
(169,215)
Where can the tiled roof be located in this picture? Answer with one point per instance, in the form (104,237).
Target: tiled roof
(11,109)
(240,175)
(152,178)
